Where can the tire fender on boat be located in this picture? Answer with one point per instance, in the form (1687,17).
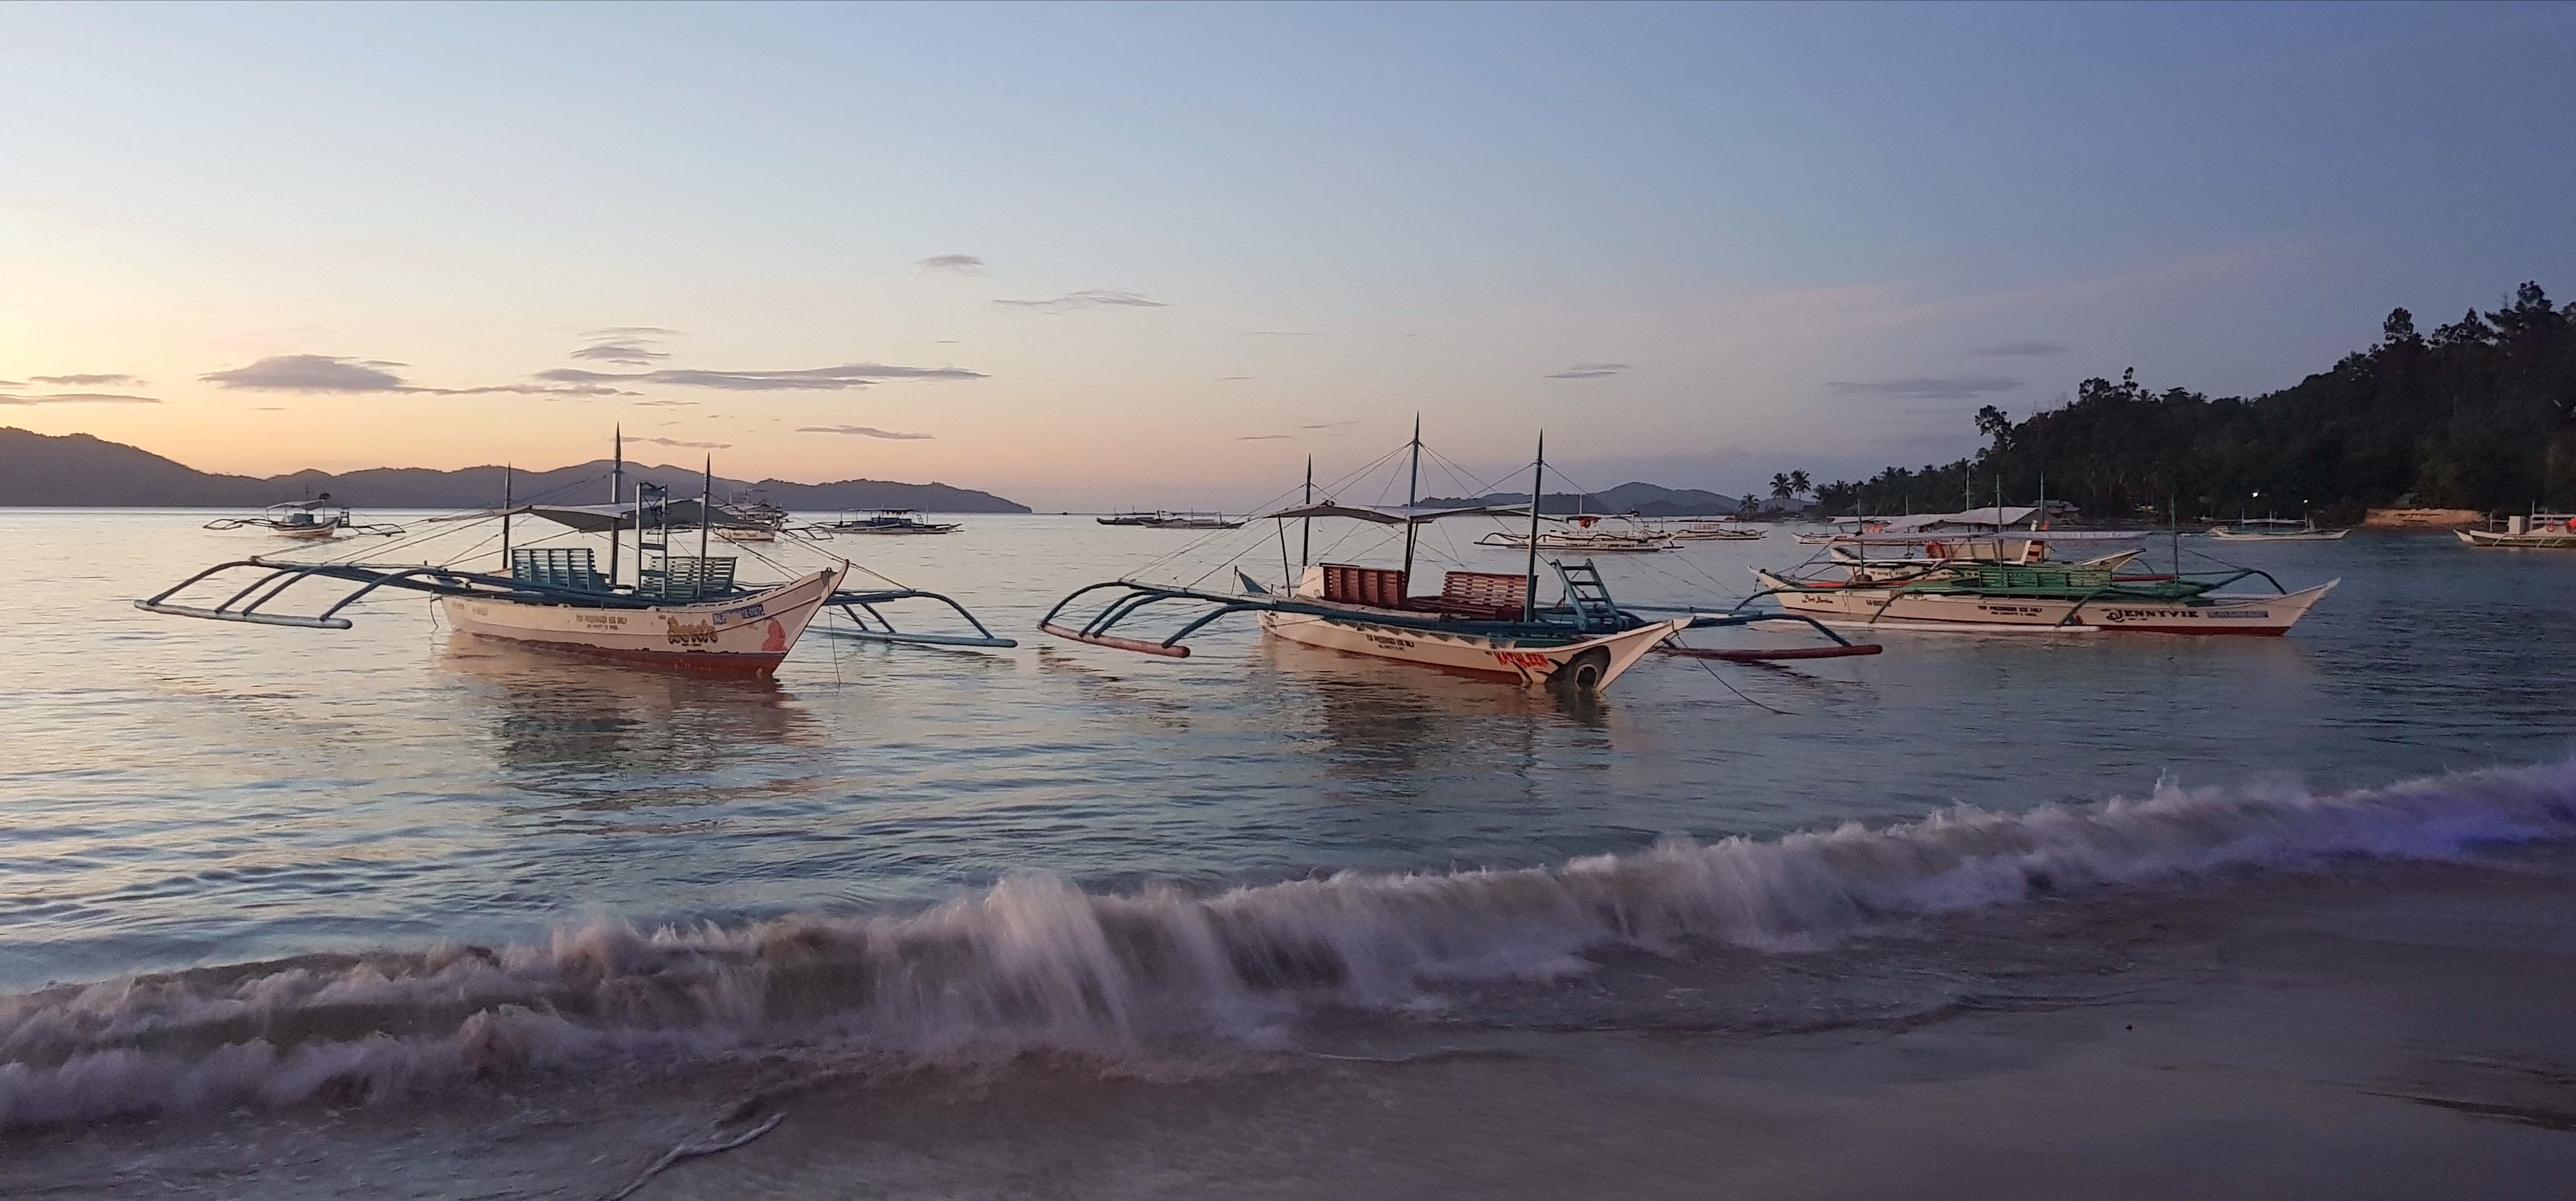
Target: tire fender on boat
(1581,673)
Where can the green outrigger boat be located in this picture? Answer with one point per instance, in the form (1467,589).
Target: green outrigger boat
(1991,597)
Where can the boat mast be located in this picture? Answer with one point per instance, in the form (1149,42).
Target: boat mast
(505,517)
(1538,479)
(706,517)
(616,496)
(1412,496)
(1306,525)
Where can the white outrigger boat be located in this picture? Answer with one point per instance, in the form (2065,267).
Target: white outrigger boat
(678,611)
(1484,623)
(2274,529)
(1587,536)
(313,520)
(1709,529)
(2535,531)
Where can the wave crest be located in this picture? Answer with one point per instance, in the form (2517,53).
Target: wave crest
(1035,961)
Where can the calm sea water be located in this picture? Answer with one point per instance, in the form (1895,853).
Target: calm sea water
(185,793)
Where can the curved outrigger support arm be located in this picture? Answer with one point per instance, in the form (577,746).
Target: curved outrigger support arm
(849,603)
(242,606)
(1702,620)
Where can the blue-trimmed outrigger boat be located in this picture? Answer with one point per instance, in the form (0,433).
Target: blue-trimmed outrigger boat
(1485,623)
(671,610)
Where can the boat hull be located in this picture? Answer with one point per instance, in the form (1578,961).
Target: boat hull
(2227,535)
(745,634)
(2523,541)
(1894,608)
(1530,664)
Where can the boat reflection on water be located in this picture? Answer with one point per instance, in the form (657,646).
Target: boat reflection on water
(1387,721)
(571,725)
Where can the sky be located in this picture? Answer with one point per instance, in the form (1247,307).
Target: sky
(1096,256)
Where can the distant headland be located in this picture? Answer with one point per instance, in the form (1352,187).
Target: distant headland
(78,470)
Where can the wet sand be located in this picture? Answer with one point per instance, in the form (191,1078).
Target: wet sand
(2373,1031)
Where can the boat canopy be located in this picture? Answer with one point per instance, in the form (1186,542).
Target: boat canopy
(1992,515)
(602,519)
(1398,514)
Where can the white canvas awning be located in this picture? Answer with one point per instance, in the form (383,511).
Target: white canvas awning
(601,519)
(1991,517)
(1398,514)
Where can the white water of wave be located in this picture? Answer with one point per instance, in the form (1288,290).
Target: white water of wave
(1034,961)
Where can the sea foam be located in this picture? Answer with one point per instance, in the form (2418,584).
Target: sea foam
(1034,961)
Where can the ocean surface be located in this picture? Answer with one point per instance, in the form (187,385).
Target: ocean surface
(246,869)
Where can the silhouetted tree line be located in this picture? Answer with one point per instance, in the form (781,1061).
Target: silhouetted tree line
(2480,415)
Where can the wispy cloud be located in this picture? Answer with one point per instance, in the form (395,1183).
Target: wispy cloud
(86,381)
(863,431)
(958,264)
(664,404)
(630,345)
(1926,387)
(1589,371)
(1088,298)
(1329,425)
(1230,378)
(1262,437)
(2015,350)
(76,398)
(310,373)
(342,375)
(685,445)
(810,379)
(630,354)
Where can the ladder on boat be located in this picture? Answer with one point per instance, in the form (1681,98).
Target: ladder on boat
(1588,596)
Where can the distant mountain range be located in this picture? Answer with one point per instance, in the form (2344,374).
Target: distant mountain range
(1645,500)
(80,470)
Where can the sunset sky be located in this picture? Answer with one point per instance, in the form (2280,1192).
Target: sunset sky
(1096,256)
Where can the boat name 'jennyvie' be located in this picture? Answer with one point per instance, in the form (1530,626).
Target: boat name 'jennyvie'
(745,613)
(1520,658)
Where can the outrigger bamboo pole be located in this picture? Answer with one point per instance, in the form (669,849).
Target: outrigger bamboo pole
(1538,483)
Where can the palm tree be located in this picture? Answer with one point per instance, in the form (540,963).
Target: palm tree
(1799,484)
(1781,488)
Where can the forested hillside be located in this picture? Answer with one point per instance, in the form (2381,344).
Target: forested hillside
(2479,415)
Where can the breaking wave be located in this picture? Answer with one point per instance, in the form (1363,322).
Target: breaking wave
(1034,961)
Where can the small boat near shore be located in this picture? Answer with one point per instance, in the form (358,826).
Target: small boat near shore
(889,523)
(1719,529)
(313,520)
(2274,529)
(1589,536)
(1166,520)
(2534,531)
